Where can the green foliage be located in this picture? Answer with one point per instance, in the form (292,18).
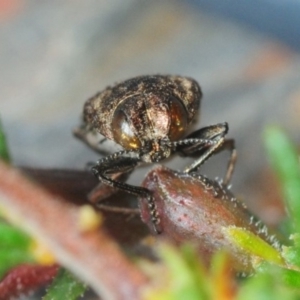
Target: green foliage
(12,237)
(65,286)
(274,282)
(253,245)
(284,159)
(268,284)
(14,247)
(185,277)
(14,244)
(12,258)
(285,162)
(291,253)
(4,153)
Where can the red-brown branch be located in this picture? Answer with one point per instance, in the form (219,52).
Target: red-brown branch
(93,256)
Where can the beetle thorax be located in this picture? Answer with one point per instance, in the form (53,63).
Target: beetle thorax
(155,151)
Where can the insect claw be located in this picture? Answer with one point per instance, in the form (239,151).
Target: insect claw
(95,171)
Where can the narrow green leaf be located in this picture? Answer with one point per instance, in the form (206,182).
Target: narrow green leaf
(4,153)
(252,244)
(65,286)
(285,161)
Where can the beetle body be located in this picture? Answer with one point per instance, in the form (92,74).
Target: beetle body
(148,116)
(145,113)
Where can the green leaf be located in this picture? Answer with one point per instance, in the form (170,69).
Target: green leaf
(292,253)
(183,283)
(10,258)
(196,269)
(267,285)
(252,244)
(186,275)
(65,286)
(291,278)
(14,247)
(12,237)
(4,153)
(287,278)
(285,161)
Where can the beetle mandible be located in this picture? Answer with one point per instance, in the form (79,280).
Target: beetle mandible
(148,116)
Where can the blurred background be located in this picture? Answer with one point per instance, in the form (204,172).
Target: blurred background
(56,54)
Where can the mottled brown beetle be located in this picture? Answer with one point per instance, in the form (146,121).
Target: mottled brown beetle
(148,116)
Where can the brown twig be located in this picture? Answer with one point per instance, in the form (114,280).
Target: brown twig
(93,256)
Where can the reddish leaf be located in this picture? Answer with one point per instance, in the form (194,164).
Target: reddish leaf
(26,278)
(196,209)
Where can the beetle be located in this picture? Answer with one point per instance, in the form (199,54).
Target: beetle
(148,117)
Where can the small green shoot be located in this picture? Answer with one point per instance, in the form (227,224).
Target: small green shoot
(253,245)
(65,286)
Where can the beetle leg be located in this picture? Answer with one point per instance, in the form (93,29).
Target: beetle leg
(102,191)
(211,140)
(120,210)
(229,145)
(116,163)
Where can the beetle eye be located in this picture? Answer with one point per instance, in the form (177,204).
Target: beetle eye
(178,123)
(122,132)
